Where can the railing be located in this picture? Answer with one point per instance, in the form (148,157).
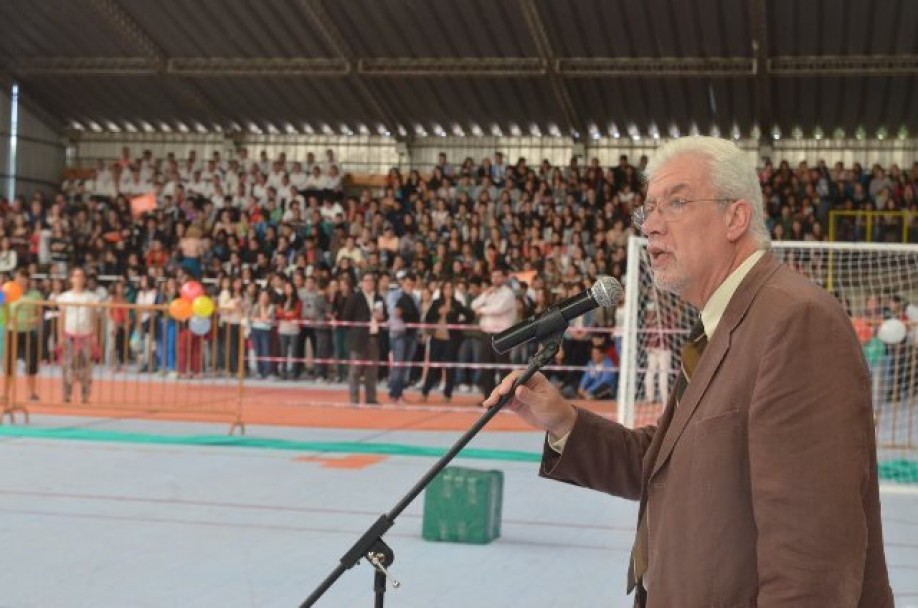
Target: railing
(112,368)
(139,362)
(873,226)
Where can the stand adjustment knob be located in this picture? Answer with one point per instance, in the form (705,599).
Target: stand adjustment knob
(378,560)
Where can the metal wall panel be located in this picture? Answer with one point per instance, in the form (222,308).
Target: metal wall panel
(358,153)
(40,153)
(4,140)
(376,155)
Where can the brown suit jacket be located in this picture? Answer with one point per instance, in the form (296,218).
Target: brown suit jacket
(761,487)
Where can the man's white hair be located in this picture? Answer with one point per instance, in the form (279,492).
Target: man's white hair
(732,176)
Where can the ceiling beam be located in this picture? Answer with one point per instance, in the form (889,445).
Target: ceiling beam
(589,67)
(323,22)
(844,65)
(558,86)
(448,67)
(253,66)
(83,66)
(438,67)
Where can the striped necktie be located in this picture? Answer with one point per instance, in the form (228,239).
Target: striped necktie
(691,354)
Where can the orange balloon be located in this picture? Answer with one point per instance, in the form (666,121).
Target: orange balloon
(180,309)
(11,291)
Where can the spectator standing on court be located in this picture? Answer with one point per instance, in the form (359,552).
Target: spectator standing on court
(365,310)
(325,314)
(26,317)
(119,322)
(168,330)
(147,295)
(289,315)
(77,335)
(496,310)
(261,320)
(444,311)
(659,355)
(308,295)
(403,339)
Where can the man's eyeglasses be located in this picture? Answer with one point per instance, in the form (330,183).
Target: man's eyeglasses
(670,210)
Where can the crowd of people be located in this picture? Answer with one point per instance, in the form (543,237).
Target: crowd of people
(304,270)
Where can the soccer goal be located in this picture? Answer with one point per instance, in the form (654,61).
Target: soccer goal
(878,286)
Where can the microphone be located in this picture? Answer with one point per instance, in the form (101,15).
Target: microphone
(605,292)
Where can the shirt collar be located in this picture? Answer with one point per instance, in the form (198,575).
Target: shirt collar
(716,305)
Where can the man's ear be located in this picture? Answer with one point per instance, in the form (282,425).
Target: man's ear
(738,218)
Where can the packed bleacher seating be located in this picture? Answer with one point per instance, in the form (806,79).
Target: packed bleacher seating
(283,243)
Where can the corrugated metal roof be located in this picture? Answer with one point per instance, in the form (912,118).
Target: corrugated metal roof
(229,28)
(650,28)
(59,28)
(420,28)
(668,64)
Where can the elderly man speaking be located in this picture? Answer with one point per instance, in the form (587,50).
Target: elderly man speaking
(758,483)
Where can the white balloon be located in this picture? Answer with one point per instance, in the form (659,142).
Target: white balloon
(911,311)
(892,331)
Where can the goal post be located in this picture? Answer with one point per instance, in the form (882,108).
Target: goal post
(876,283)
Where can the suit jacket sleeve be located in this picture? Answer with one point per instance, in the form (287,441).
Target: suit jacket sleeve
(600,455)
(810,436)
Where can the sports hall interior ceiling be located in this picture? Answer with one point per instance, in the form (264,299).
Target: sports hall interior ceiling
(408,67)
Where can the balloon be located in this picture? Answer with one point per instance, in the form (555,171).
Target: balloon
(11,291)
(202,306)
(199,326)
(2,297)
(180,309)
(911,311)
(191,290)
(892,331)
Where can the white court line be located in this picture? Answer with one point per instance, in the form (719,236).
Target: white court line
(898,488)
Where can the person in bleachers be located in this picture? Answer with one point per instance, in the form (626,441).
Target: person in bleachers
(534,220)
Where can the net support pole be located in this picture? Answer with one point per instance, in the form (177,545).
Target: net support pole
(628,357)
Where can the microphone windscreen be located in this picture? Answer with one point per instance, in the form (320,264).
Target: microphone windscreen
(606,291)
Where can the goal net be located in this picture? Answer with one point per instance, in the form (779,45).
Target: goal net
(878,286)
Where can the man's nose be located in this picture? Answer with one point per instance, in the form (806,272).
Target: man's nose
(653,223)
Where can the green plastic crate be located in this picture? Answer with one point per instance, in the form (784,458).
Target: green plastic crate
(464,506)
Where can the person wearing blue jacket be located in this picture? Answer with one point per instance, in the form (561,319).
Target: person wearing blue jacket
(600,378)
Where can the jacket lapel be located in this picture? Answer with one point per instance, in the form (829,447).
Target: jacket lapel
(714,355)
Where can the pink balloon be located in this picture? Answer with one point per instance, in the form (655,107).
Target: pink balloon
(191,290)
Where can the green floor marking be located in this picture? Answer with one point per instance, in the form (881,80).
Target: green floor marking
(341,447)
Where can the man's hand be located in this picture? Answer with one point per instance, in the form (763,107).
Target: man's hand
(537,402)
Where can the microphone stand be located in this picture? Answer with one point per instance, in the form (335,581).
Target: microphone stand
(371,545)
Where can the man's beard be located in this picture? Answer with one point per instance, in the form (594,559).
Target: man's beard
(672,284)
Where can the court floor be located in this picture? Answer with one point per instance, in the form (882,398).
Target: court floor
(102,512)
